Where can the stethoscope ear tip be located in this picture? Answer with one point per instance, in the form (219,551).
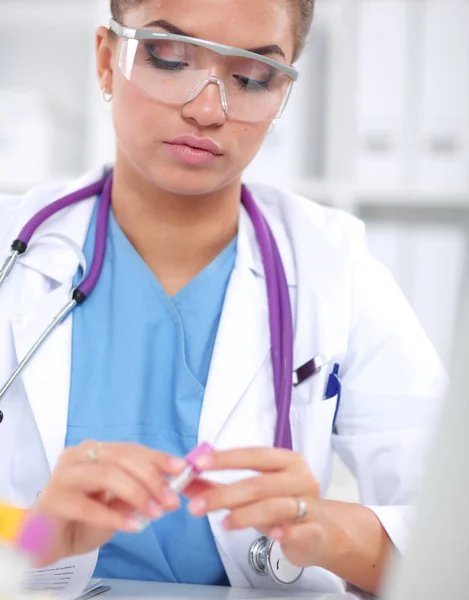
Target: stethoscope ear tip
(1,417)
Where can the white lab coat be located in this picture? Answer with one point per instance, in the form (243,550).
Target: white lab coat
(346,309)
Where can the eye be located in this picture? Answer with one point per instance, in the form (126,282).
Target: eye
(252,85)
(167,56)
(253,75)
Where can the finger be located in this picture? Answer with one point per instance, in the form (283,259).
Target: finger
(145,465)
(108,451)
(256,459)
(121,507)
(102,497)
(115,504)
(198,487)
(263,516)
(139,463)
(165,463)
(91,478)
(301,533)
(69,506)
(253,489)
(299,540)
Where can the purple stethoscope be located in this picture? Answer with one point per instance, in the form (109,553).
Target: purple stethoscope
(264,553)
(280,314)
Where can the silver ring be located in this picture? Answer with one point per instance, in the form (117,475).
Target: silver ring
(302,509)
(91,455)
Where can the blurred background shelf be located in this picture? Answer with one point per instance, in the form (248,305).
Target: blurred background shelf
(49,92)
(20,12)
(351,197)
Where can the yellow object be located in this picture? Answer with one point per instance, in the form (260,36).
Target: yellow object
(11,520)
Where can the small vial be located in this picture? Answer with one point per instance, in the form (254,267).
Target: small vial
(178,483)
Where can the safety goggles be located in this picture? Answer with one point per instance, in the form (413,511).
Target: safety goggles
(175,69)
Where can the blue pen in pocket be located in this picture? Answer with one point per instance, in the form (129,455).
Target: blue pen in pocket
(334,388)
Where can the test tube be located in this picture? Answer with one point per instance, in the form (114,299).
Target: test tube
(178,483)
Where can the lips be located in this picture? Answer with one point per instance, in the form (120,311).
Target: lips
(192,141)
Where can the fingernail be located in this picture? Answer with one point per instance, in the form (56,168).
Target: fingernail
(198,507)
(205,462)
(132,524)
(277,534)
(177,464)
(169,497)
(154,510)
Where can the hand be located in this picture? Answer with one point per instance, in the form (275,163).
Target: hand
(268,502)
(97,488)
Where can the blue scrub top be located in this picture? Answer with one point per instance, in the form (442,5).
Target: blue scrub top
(140,363)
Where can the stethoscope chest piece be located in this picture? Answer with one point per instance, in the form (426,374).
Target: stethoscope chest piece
(266,558)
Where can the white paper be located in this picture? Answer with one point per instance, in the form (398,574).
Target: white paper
(64,580)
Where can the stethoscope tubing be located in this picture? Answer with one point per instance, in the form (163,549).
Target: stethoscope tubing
(280,314)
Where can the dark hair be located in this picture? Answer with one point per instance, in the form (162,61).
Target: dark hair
(302,25)
(306,14)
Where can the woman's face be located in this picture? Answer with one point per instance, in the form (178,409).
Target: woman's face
(145,127)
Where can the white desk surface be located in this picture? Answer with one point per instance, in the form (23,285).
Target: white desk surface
(127,590)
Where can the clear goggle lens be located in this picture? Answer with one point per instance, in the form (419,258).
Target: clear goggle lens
(176,72)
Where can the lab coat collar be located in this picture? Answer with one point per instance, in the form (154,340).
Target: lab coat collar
(54,258)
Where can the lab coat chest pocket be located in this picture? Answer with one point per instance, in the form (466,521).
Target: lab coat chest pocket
(312,418)
(312,395)
(312,390)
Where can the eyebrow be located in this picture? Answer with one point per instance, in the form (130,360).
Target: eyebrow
(170,28)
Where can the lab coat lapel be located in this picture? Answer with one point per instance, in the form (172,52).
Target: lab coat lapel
(52,268)
(243,339)
(242,346)
(241,352)
(48,255)
(47,378)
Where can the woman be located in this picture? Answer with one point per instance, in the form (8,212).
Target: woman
(172,346)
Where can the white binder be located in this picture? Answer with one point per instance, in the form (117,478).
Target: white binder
(444,119)
(380,95)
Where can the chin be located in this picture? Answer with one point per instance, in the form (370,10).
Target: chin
(190,181)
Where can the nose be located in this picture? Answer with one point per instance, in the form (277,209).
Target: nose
(206,105)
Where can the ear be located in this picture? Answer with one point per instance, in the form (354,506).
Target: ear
(105,45)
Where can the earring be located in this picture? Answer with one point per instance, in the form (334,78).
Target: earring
(107,97)
(271,128)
